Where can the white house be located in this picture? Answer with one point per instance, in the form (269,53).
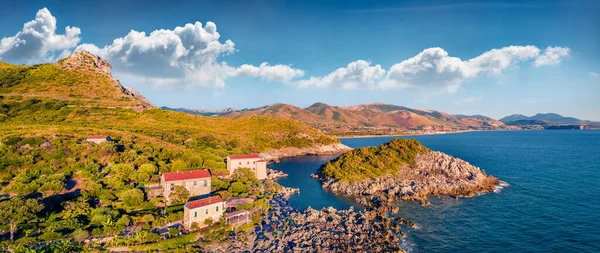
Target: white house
(251,161)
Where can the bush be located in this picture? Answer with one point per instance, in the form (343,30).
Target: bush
(80,235)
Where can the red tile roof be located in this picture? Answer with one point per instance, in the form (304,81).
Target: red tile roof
(183,175)
(97,137)
(248,156)
(203,202)
(264,161)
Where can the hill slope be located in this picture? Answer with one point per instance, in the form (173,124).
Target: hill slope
(78,97)
(374,117)
(74,187)
(82,79)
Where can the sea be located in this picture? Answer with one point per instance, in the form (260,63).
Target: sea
(551,202)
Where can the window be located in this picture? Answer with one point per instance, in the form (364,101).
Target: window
(195,183)
(205,182)
(217,208)
(254,162)
(206,210)
(172,186)
(247,162)
(195,214)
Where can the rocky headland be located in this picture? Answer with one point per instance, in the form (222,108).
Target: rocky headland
(424,174)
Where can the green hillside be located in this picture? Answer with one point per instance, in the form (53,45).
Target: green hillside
(48,110)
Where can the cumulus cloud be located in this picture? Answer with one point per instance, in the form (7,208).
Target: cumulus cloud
(357,74)
(435,68)
(281,73)
(552,56)
(186,55)
(38,42)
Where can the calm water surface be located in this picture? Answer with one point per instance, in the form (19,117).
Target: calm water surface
(551,205)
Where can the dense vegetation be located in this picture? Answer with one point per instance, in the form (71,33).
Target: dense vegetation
(372,162)
(62,189)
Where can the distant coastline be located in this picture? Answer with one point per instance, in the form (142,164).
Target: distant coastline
(449,132)
(411,134)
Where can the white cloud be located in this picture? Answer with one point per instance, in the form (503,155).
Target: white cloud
(281,73)
(467,100)
(38,42)
(187,55)
(552,56)
(433,68)
(357,74)
(594,74)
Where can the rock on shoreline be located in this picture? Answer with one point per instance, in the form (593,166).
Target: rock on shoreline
(276,154)
(285,229)
(433,173)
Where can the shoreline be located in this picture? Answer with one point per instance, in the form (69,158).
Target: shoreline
(410,134)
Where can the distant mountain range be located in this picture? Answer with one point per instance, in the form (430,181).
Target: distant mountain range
(201,112)
(372,117)
(544,119)
(386,118)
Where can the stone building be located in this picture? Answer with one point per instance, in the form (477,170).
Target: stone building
(251,161)
(197,182)
(198,211)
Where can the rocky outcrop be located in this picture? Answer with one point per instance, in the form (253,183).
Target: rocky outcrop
(276,154)
(82,60)
(275,174)
(433,173)
(286,229)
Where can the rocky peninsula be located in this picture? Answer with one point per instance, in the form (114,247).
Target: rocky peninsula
(402,170)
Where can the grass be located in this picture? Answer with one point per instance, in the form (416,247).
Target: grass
(168,244)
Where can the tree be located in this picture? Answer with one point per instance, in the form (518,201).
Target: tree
(17,210)
(238,188)
(179,195)
(132,197)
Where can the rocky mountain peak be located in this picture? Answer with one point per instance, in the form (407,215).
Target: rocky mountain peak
(82,58)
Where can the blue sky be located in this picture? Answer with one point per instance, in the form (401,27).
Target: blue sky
(493,58)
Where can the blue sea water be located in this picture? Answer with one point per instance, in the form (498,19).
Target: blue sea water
(551,205)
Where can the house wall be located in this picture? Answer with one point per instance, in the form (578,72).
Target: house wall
(202,187)
(259,168)
(200,214)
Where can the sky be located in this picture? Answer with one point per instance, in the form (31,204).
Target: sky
(492,58)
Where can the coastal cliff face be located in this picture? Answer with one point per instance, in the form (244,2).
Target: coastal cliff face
(433,173)
(334,148)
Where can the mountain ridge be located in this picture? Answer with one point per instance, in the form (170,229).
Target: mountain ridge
(369,117)
(545,118)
